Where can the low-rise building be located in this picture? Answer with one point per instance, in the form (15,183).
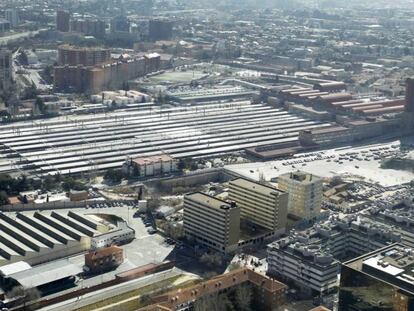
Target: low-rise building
(104,259)
(121,235)
(151,165)
(211,222)
(305,193)
(267,293)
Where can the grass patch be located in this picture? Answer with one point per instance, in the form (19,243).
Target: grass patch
(134,304)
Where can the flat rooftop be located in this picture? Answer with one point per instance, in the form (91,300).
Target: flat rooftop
(208,200)
(392,264)
(257,187)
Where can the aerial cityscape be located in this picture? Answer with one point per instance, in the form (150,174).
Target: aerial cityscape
(191,155)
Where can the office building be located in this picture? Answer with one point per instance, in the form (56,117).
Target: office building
(380,280)
(260,204)
(305,194)
(311,258)
(12,15)
(160,30)
(4,25)
(211,222)
(5,68)
(62,21)
(73,56)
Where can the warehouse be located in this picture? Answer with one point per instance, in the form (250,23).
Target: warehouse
(44,277)
(40,237)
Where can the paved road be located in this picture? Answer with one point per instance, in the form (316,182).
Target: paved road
(18,36)
(103,294)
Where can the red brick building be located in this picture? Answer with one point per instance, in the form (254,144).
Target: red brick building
(104,259)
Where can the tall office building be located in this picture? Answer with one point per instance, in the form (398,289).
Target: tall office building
(260,204)
(380,280)
(62,21)
(5,68)
(12,15)
(212,222)
(160,29)
(305,193)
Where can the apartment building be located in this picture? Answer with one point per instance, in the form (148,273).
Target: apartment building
(73,56)
(260,204)
(305,193)
(311,258)
(267,293)
(211,222)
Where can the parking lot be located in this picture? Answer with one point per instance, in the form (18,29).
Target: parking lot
(359,162)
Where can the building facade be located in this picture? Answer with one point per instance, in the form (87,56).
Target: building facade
(260,204)
(305,193)
(211,222)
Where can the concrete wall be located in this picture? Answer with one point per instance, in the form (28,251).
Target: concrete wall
(42,206)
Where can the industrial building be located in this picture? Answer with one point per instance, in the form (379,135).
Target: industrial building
(224,92)
(53,145)
(211,222)
(119,235)
(260,204)
(380,280)
(45,277)
(310,258)
(41,237)
(305,193)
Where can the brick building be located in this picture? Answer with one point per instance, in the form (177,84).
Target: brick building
(104,259)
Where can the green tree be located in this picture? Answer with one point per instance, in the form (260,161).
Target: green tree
(114,176)
(4,198)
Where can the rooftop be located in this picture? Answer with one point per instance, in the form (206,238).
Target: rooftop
(392,264)
(257,187)
(208,200)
